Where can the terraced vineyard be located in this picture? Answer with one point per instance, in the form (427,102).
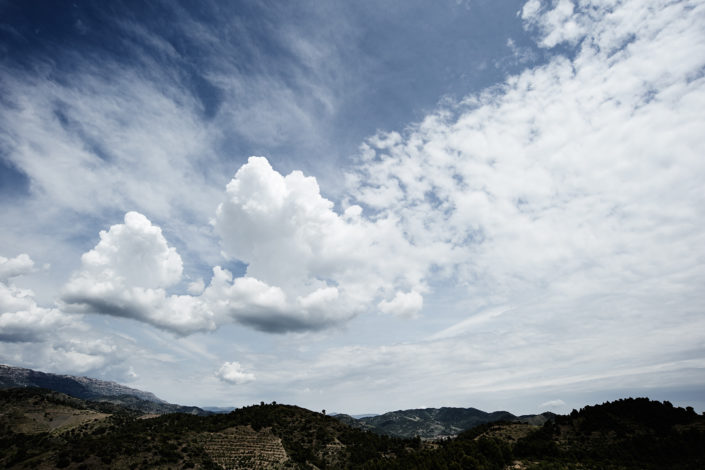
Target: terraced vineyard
(241,447)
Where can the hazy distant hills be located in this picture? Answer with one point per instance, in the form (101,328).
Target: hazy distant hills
(91,389)
(219,409)
(430,423)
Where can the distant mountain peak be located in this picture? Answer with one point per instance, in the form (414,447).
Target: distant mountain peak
(80,387)
(87,388)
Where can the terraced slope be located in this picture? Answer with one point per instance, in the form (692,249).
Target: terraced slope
(242,448)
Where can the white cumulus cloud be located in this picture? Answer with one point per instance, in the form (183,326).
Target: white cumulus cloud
(558,24)
(136,253)
(48,338)
(404,304)
(233,372)
(21,319)
(17,266)
(308,267)
(126,275)
(316,266)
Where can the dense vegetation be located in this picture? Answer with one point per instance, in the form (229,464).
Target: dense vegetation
(123,440)
(430,423)
(630,433)
(626,434)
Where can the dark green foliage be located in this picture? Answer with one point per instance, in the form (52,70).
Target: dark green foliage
(481,454)
(540,442)
(118,436)
(627,434)
(305,434)
(428,423)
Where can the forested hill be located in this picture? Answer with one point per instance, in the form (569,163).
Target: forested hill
(44,429)
(627,433)
(432,423)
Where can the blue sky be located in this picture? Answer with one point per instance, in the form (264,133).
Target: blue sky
(357,206)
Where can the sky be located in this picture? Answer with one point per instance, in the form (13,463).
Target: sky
(357,206)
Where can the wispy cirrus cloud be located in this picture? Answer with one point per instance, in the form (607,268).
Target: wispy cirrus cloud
(569,199)
(579,174)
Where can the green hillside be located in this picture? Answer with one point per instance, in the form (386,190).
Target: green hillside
(434,423)
(44,429)
(629,433)
(261,436)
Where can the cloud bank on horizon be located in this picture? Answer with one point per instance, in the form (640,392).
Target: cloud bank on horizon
(557,216)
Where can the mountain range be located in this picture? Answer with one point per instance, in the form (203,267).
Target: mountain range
(43,429)
(429,423)
(434,423)
(113,426)
(87,388)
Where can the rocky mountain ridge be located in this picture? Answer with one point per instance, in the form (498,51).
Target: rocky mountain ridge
(87,388)
(80,387)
